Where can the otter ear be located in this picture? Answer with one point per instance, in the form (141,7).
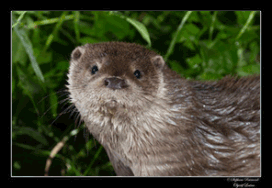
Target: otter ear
(158,61)
(77,53)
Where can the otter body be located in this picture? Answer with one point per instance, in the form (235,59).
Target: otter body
(152,122)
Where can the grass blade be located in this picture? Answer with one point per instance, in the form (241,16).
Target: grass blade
(19,19)
(49,21)
(174,40)
(94,159)
(53,34)
(76,21)
(29,50)
(141,28)
(250,18)
(32,133)
(138,25)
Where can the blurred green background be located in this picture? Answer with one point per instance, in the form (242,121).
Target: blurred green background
(203,45)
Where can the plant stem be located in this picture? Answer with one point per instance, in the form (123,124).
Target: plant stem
(174,40)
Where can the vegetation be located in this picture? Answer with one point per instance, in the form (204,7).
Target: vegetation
(201,45)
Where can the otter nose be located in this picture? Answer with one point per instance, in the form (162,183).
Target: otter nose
(115,83)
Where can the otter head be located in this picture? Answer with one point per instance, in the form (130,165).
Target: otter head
(114,76)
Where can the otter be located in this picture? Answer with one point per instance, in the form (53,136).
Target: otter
(152,122)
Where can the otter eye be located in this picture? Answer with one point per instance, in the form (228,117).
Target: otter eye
(137,73)
(94,69)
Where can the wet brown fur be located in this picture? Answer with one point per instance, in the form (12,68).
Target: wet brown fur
(162,124)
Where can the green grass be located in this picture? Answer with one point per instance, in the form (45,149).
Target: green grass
(205,45)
